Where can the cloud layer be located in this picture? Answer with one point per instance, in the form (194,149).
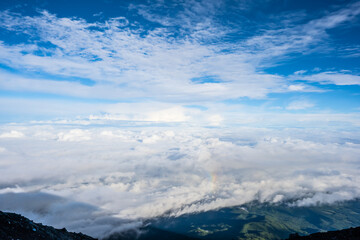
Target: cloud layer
(133,173)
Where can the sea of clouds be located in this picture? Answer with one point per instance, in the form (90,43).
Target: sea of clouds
(99,179)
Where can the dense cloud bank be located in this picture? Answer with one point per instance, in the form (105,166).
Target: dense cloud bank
(88,176)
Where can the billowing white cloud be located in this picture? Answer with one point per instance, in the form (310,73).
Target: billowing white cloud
(133,172)
(12,134)
(74,135)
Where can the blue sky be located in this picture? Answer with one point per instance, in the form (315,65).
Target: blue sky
(279,57)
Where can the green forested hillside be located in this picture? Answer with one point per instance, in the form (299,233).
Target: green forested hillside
(264,221)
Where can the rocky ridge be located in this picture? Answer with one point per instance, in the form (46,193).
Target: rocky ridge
(16,227)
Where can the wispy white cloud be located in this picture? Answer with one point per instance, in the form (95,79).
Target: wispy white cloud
(301,37)
(300,72)
(123,61)
(300,87)
(300,105)
(337,78)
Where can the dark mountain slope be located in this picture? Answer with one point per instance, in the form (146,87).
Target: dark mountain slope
(15,226)
(345,234)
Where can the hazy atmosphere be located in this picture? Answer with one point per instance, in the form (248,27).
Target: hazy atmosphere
(112,112)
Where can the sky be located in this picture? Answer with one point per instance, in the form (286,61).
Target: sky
(123,110)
